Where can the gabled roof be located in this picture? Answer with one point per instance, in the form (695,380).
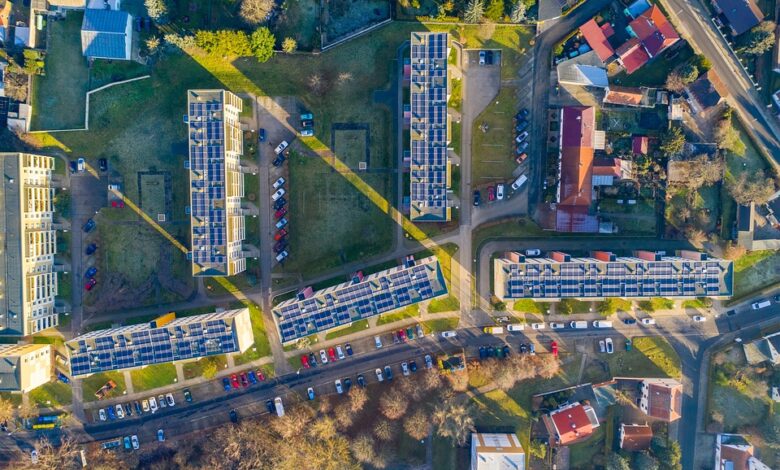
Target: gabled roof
(104,21)
(606,167)
(103,34)
(664,399)
(597,40)
(635,437)
(632,55)
(578,128)
(9,373)
(639,144)
(740,14)
(571,423)
(708,90)
(624,96)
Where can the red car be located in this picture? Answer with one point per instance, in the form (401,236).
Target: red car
(332,354)
(90,284)
(304,363)
(117,204)
(234,381)
(554,348)
(244,379)
(521,158)
(261,376)
(491,193)
(280,213)
(402,335)
(280,234)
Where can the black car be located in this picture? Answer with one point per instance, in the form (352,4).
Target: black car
(348,348)
(477,198)
(103,164)
(91,248)
(187,395)
(148,24)
(347,384)
(128,409)
(89,226)
(281,202)
(312,360)
(137,406)
(233,416)
(279,160)
(482,352)
(412,366)
(280,245)
(388,373)
(629,321)
(489,57)
(776,298)
(361,380)
(520,127)
(522,114)
(269,405)
(731,313)
(490,351)
(74,167)
(523,348)
(507,351)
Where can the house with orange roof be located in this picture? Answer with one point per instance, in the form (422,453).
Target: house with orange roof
(651,35)
(572,423)
(635,437)
(661,399)
(596,37)
(734,452)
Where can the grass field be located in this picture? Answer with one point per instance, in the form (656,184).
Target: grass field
(650,356)
(411,311)
(756,270)
(153,376)
(91,384)
(262,347)
(449,303)
(52,395)
(58,98)
(355,327)
(195,369)
(153,195)
(656,303)
(654,74)
(300,21)
(493,151)
(529,306)
(350,146)
(440,324)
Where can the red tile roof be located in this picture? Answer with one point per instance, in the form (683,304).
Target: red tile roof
(571,424)
(632,55)
(607,28)
(607,167)
(578,128)
(737,455)
(596,39)
(664,402)
(635,437)
(624,96)
(654,31)
(639,144)
(575,219)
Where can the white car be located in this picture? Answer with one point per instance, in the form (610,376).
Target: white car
(102,414)
(120,413)
(279,193)
(145,405)
(602,346)
(405,368)
(81,164)
(152,404)
(537,326)
(339,388)
(378,342)
(648,321)
(428,362)
(699,318)
(533,252)
(500,192)
(169,399)
(420,332)
(160,435)
(340,353)
(515,327)
(323,356)
(379,375)
(449,334)
(557,325)
(610,346)
(279,183)
(280,148)
(134,440)
(161,400)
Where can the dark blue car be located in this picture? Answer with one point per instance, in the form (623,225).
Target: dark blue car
(90,272)
(261,135)
(63,378)
(252,377)
(226,384)
(111,414)
(89,226)
(91,248)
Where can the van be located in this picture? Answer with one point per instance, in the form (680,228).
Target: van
(516,327)
(519,182)
(279,407)
(280,148)
(493,330)
(760,304)
(602,324)
(580,325)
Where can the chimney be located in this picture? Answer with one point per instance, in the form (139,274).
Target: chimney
(603,256)
(560,257)
(647,255)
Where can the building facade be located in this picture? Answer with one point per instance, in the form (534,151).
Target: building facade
(492,451)
(216,182)
(646,274)
(160,341)
(29,283)
(24,367)
(430,173)
(312,312)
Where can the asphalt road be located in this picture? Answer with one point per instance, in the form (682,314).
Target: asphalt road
(694,19)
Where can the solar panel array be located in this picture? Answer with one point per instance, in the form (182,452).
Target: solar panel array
(140,345)
(348,302)
(428,191)
(627,277)
(208,177)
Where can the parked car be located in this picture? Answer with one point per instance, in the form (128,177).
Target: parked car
(629,321)
(521,125)
(628,345)
(111,413)
(169,399)
(278,160)
(160,435)
(602,346)
(81,164)
(281,202)
(557,325)
(531,349)
(410,333)
(361,380)
(332,354)
(90,272)
(187,395)
(312,359)
(234,381)
(402,335)
(280,148)
(282,256)
(226,384)
(554,348)
(340,352)
(310,393)
(233,416)
(161,401)
(533,252)
(515,327)
(388,373)
(261,135)
(482,57)
(378,342)
(521,158)
(420,332)
(608,343)
(449,334)
(699,318)
(523,348)
(347,384)
(153,404)
(348,348)
(279,193)
(405,369)
(280,234)
(128,444)
(90,284)
(339,388)
(103,164)
(305,361)
(89,226)
(323,356)
(280,246)
(282,223)
(102,414)
(500,192)
(523,113)
(252,377)
(260,375)
(280,213)
(91,248)
(145,405)
(537,326)
(137,406)
(120,413)
(491,193)
(244,379)
(269,405)
(379,376)
(521,137)
(128,409)
(521,147)
(74,167)
(279,183)
(477,198)
(412,366)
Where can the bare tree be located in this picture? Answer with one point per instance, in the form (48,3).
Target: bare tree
(695,236)
(756,188)
(431,380)
(344,78)
(459,381)
(255,12)
(363,448)
(52,457)
(358,399)
(343,415)
(6,410)
(410,388)
(393,404)
(733,251)
(453,421)
(728,138)
(701,171)
(546,367)
(418,424)
(26,411)
(294,421)
(324,427)
(385,430)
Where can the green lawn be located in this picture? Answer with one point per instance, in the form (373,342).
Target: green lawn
(582,454)
(153,376)
(455,136)
(493,150)
(243,282)
(360,325)
(449,303)
(300,21)
(656,303)
(698,303)
(195,369)
(92,383)
(739,396)
(575,306)
(309,340)
(14,398)
(506,229)
(654,74)
(650,356)
(529,306)
(440,324)
(262,347)
(58,97)
(756,270)
(52,395)
(411,311)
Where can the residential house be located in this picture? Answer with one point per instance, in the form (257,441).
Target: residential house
(607,171)
(706,92)
(24,367)
(640,144)
(571,423)
(764,349)
(578,140)
(734,452)
(635,437)
(746,215)
(491,451)
(627,96)
(596,37)
(738,15)
(107,34)
(661,399)
(675,111)
(651,35)
(584,70)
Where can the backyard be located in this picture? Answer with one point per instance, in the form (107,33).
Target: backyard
(493,151)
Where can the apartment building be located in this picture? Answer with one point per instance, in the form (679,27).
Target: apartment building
(28,283)
(430,175)
(216,182)
(24,367)
(166,339)
(603,274)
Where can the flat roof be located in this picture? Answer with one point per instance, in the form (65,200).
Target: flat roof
(428,125)
(360,298)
